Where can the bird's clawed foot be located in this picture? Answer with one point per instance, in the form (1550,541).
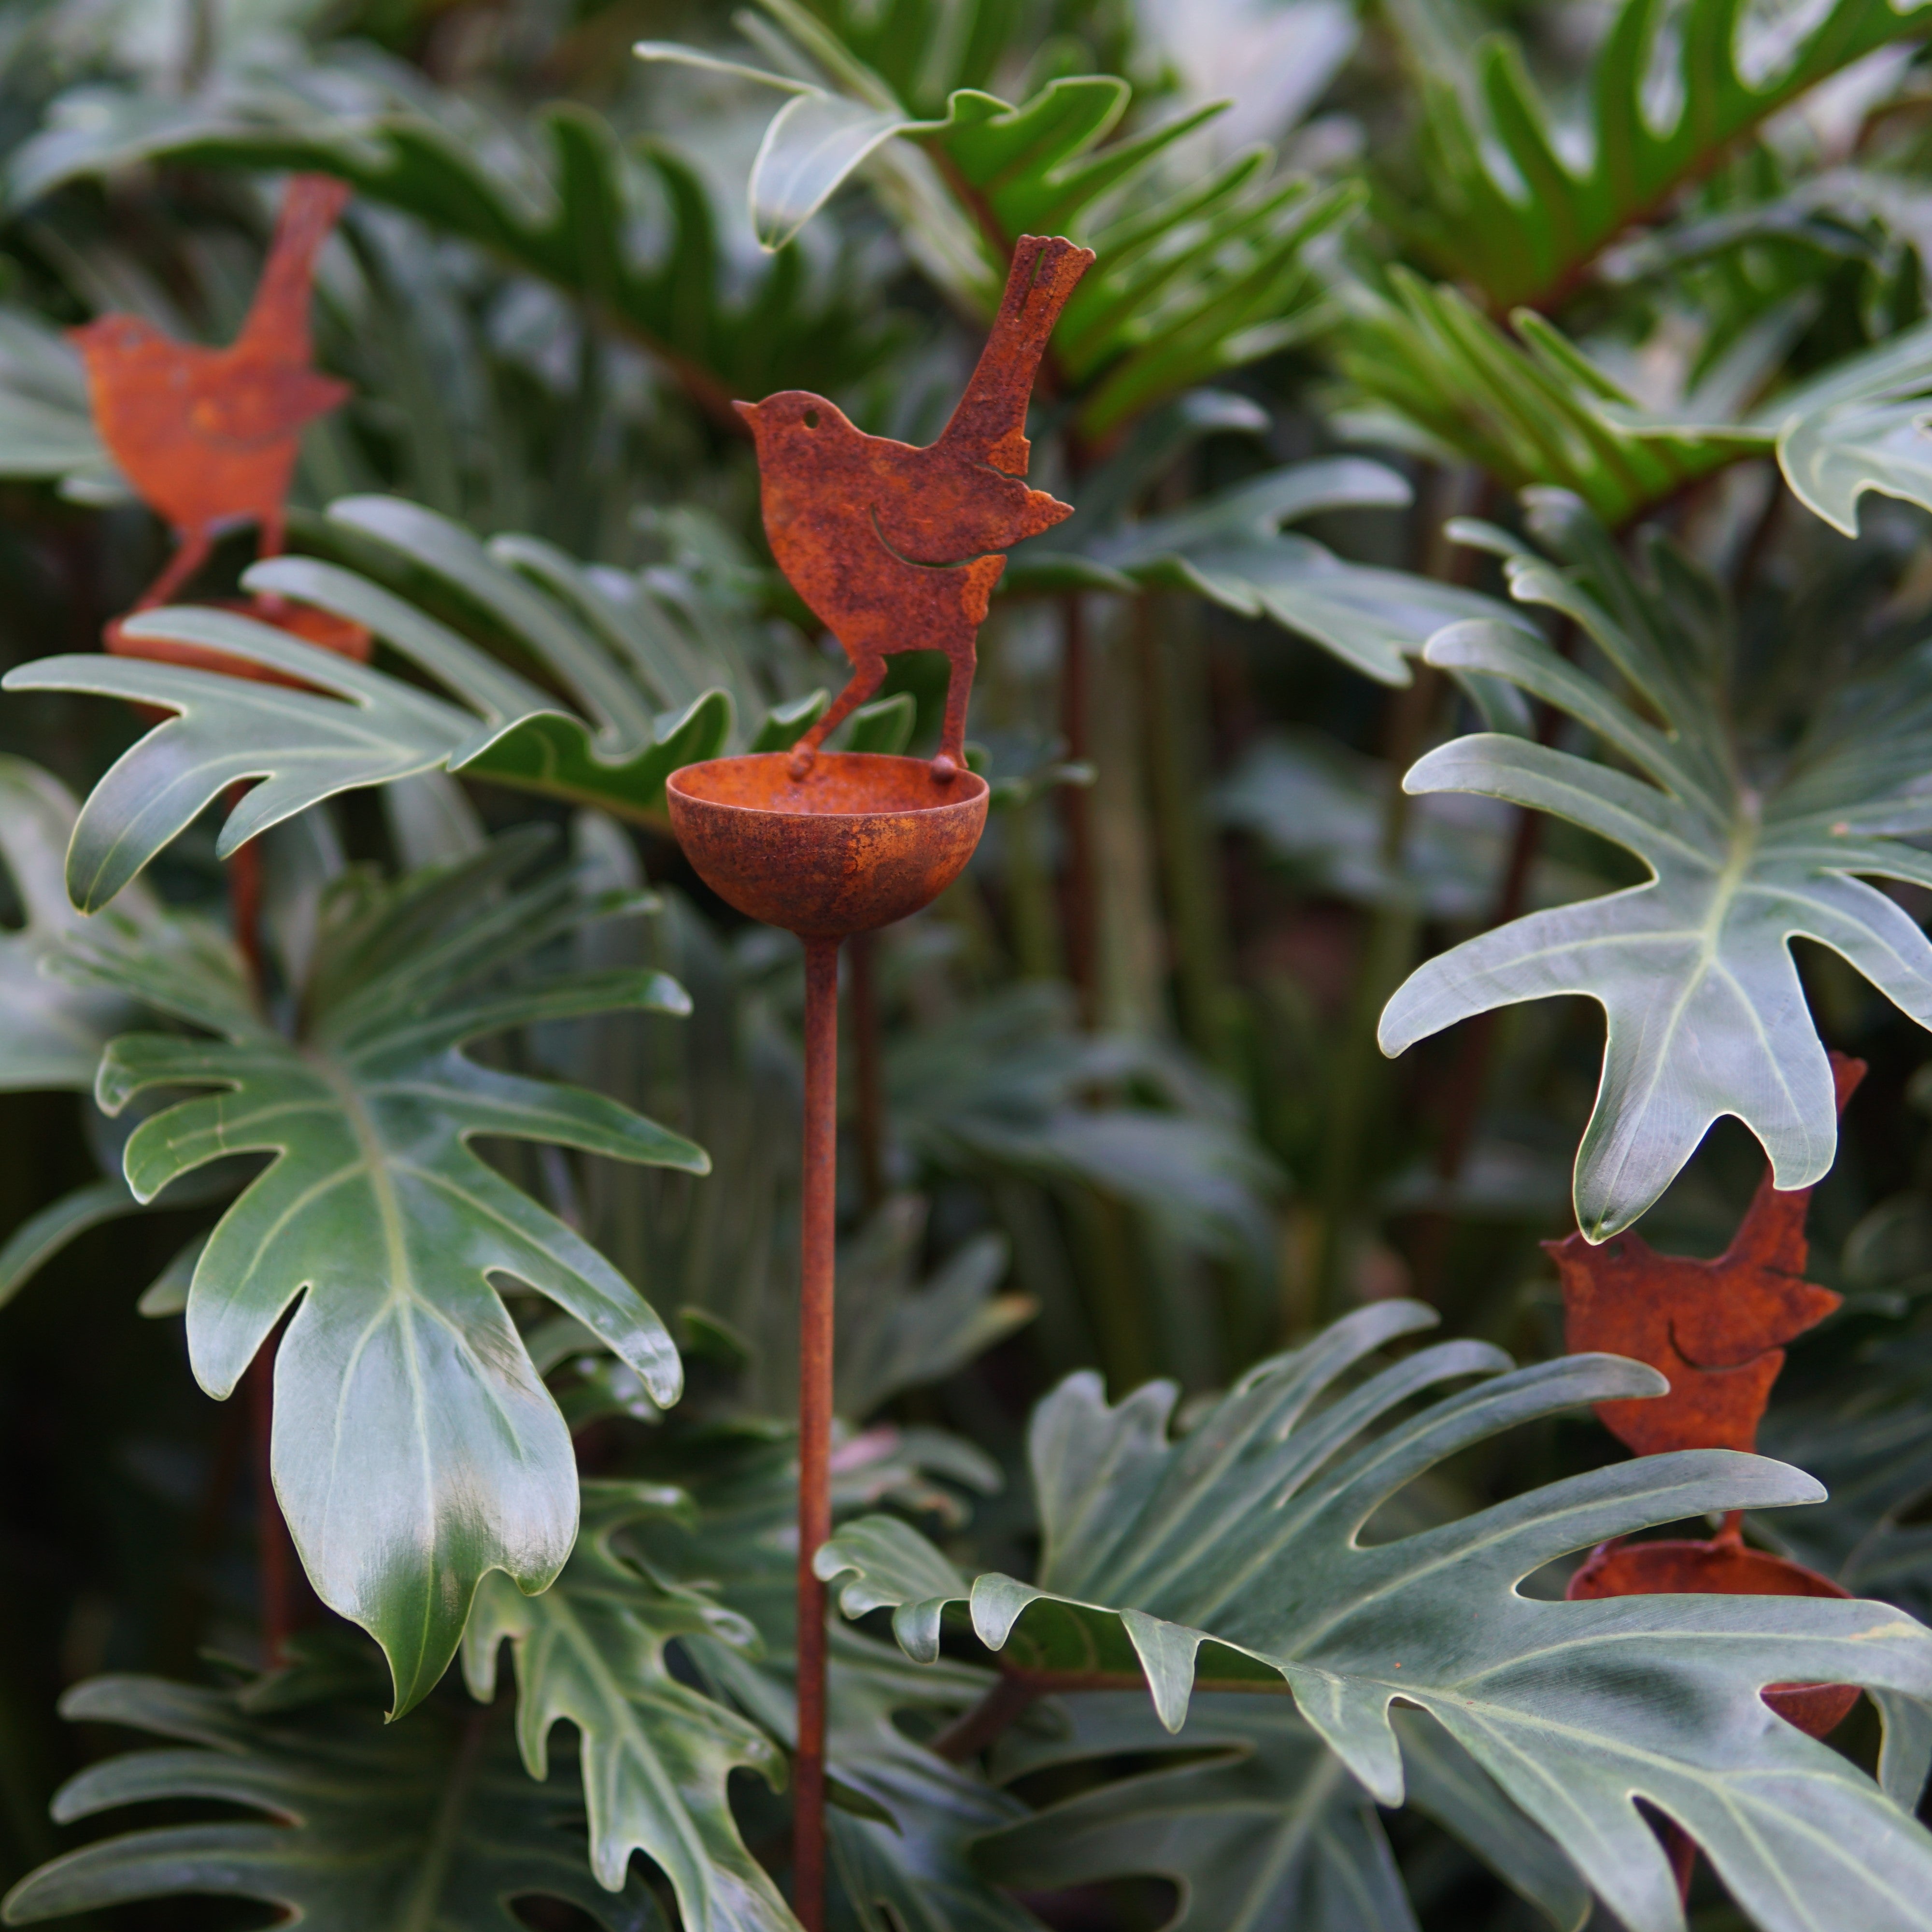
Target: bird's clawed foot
(944,770)
(801,763)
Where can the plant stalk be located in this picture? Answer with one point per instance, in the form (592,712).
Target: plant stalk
(1080,915)
(1189,860)
(1357,1077)
(817,1229)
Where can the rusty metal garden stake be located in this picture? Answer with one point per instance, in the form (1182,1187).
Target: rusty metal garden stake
(894,549)
(820,1189)
(1715,1331)
(209,437)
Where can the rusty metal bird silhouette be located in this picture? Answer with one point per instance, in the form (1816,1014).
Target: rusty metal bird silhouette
(208,437)
(896,548)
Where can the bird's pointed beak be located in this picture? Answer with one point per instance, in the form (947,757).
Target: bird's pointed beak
(749,411)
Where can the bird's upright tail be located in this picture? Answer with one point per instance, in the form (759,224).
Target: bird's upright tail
(278,316)
(990,422)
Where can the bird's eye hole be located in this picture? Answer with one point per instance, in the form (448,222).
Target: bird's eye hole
(811,418)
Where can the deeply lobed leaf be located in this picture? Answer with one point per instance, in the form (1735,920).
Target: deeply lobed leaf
(1237,1551)
(426,1826)
(1705,1014)
(415,1447)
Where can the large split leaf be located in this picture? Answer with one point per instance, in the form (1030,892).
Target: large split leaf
(1008,1086)
(429,1825)
(904,1822)
(1190,280)
(1230,547)
(51,1031)
(415,1448)
(1704,1013)
(625,226)
(1521,212)
(1531,408)
(656,1755)
(1237,1551)
(656,670)
(1259,1824)
(46,428)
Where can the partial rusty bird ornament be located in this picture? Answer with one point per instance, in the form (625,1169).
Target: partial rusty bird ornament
(1716,1329)
(208,437)
(896,548)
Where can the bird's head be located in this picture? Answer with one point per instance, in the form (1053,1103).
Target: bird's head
(793,419)
(114,335)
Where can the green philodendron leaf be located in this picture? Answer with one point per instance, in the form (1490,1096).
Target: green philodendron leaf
(1190,281)
(1533,410)
(561,206)
(51,1032)
(904,1823)
(1527,410)
(1237,1551)
(415,1447)
(1857,426)
(1704,1014)
(1230,548)
(46,428)
(1264,1828)
(1520,214)
(1006,1086)
(350,725)
(430,1825)
(656,1755)
(1256,1821)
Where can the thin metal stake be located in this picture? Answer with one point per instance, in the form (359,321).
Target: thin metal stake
(820,1189)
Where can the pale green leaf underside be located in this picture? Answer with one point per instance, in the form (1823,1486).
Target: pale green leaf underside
(1705,1015)
(1237,1550)
(415,1448)
(355,725)
(656,1755)
(1267,1829)
(1230,547)
(51,1032)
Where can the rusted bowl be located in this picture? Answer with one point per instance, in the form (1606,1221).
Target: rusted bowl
(861,840)
(1722,1568)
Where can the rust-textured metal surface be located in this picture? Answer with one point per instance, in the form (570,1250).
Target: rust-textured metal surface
(1715,1329)
(895,548)
(861,840)
(208,437)
(817,1235)
(1724,1567)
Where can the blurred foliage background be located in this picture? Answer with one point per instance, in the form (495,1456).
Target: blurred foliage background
(1117,1101)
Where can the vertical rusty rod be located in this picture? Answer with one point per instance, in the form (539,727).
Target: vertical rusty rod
(868,1080)
(819,1193)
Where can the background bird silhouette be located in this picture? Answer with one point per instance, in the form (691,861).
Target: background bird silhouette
(893,547)
(208,437)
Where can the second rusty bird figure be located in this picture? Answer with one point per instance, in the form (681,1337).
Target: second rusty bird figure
(208,437)
(896,548)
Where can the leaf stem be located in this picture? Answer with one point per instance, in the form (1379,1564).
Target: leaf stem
(1077,808)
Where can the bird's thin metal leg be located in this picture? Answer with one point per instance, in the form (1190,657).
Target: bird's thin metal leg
(192,554)
(866,679)
(951,758)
